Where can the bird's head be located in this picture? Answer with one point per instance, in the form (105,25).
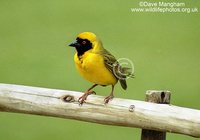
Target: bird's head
(87,41)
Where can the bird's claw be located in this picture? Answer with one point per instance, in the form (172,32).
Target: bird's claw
(92,92)
(84,96)
(81,100)
(107,99)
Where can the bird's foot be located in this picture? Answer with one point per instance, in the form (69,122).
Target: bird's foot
(84,96)
(107,99)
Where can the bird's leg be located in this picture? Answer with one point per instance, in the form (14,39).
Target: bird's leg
(87,92)
(107,99)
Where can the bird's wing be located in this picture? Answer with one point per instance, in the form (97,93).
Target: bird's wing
(113,66)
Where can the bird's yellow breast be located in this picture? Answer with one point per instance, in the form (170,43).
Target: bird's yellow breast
(91,67)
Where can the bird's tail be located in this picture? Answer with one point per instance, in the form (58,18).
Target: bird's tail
(123,84)
(125,73)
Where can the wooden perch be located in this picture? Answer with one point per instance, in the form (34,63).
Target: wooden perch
(119,112)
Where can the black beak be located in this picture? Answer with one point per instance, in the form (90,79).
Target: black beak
(74,44)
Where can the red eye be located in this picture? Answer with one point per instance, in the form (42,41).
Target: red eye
(84,42)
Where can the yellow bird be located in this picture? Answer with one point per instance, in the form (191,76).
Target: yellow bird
(97,65)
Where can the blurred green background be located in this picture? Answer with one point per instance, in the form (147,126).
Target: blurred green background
(34,38)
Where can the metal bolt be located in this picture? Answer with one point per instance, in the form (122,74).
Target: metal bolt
(132,108)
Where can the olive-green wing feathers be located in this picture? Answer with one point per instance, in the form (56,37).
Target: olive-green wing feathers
(113,65)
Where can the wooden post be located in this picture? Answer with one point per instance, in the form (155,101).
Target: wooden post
(161,97)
